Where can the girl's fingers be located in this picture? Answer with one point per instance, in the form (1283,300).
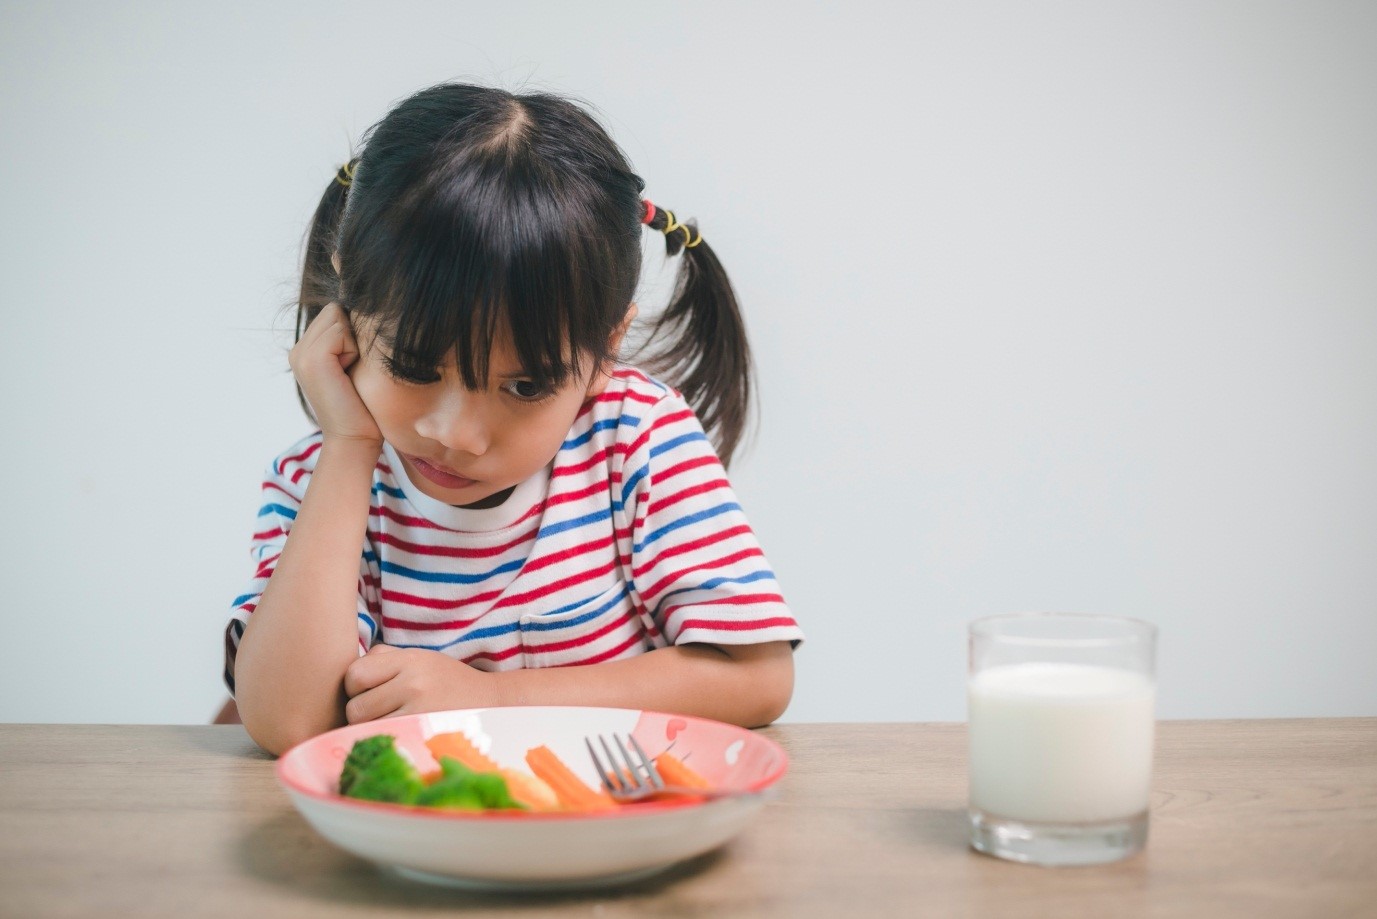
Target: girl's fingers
(371,705)
(369,672)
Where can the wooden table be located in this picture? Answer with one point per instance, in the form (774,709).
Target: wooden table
(1249,819)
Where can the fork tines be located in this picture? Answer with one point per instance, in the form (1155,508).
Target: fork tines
(626,776)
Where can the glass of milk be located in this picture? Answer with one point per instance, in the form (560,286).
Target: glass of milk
(1061,732)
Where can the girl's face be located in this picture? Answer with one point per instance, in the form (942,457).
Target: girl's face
(464,447)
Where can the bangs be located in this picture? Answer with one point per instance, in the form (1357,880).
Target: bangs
(478,251)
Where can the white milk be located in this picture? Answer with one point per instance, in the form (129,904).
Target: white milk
(1060,743)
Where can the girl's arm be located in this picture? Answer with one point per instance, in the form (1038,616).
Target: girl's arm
(749,685)
(303,635)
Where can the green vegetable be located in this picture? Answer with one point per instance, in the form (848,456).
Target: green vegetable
(376,771)
(460,787)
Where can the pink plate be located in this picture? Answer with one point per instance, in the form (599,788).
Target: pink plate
(536,851)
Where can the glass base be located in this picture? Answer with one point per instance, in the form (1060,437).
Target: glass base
(1057,844)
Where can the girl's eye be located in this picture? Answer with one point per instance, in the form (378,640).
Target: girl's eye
(401,374)
(528,391)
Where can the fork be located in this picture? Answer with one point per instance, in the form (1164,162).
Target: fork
(637,783)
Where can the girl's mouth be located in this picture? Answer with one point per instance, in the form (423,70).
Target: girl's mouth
(440,476)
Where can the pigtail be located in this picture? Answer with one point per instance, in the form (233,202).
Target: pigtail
(706,356)
(320,284)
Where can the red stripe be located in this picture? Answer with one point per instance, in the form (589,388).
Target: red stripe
(652,592)
(282,466)
(554,586)
(734,600)
(493,655)
(680,549)
(660,504)
(453,551)
(589,463)
(563,555)
(581,640)
(269,534)
(431,602)
(577,495)
(385,511)
(659,423)
(666,474)
(270,484)
(737,625)
(415,626)
(606,655)
(633,396)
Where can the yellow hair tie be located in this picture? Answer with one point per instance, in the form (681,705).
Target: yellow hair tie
(689,236)
(670,223)
(348,170)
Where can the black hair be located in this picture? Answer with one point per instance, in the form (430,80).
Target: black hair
(470,209)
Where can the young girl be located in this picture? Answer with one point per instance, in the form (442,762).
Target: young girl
(494,510)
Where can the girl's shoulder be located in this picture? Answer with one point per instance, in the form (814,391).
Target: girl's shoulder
(295,464)
(300,456)
(636,410)
(631,389)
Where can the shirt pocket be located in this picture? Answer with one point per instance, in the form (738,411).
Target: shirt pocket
(602,628)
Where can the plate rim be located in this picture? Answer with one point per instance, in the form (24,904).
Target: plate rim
(756,789)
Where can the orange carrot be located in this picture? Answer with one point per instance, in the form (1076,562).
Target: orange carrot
(458,746)
(570,790)
(674,772)
(530,791)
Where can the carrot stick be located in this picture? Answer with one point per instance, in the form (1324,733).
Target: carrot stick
(674,772)
(530,791)
(458,746)
(570,790)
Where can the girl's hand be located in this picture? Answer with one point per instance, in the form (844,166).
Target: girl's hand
(401,681)
(326,350)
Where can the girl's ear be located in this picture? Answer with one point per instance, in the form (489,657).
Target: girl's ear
(603,375)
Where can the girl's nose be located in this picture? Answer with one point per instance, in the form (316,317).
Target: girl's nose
(457,422)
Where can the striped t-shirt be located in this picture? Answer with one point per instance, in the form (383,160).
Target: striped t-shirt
(631,539)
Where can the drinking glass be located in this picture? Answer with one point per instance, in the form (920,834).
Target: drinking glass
(1061,736)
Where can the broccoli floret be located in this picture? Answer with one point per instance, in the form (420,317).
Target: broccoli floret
(376,771)
(460,787)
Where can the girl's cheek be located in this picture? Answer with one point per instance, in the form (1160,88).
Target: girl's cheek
(376,391)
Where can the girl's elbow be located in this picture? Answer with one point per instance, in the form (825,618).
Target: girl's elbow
(277,731)
(774,690)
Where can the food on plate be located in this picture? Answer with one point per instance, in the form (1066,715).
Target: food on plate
(468,779)
(375,770)
(569,788)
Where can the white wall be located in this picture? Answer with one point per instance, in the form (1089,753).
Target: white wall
(1055,307)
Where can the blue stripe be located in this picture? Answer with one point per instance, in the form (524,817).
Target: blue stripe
(717,582)
(279,509)
(596,426)
(686,521)
(394,492)
(681,439)
(488,632)
(573,523)
(577,620)
(442,577)
(494,631)
(244,598)
(655,451)
(631,482)
(372,626)
(369,555)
